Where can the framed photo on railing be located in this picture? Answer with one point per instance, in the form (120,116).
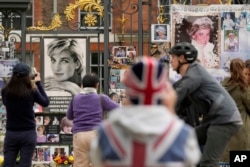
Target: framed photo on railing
(160,33)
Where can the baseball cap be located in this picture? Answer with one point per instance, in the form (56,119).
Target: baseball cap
(145,81)
(21,69)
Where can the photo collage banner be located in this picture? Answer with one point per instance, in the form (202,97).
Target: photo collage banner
(121,58)
(220,33)
(54,137)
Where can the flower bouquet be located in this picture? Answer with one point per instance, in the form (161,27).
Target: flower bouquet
(63,160)
(1,160)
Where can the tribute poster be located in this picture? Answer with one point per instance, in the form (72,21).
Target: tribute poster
(220,33)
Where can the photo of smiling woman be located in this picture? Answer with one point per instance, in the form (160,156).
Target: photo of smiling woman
(202,32)
(66,59)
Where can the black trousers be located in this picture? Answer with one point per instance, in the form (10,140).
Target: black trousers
(214,138)
(23,142)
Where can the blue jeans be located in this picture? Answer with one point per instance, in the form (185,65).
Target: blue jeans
(19,141)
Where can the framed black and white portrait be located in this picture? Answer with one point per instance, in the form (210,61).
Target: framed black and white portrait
(65,64)
(160,33)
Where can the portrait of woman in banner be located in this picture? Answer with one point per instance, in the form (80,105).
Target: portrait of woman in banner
(202,32)
(67,65)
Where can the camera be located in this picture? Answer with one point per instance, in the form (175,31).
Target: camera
(33,73)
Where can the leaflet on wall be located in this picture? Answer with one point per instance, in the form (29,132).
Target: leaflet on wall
(121,56)
(116,77)
(118,95)
(59,101)
(41,154)
(116,87)
(6,67)
(223,36)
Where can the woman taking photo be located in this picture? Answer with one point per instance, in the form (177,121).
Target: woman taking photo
(66,58)
(19,96)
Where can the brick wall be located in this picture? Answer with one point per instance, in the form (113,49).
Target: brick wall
(131,16)
(43,11)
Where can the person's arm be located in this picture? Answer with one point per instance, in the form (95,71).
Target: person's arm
(184,88)
(107,103)
(169,98)
(40,95)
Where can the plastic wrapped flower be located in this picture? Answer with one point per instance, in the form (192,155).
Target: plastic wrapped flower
(63,159)
(1,160)
(71,159)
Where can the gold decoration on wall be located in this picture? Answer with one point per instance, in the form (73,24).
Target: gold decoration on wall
(90,19)
(155,52)
(123,21)
(161,18)
(55,23)
(177,2)
(229,2)
(85,5)
(6,32)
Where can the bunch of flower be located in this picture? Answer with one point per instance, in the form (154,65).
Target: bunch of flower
(1,160)
(63,159)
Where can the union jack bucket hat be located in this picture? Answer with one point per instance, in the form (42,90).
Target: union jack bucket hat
(145,81)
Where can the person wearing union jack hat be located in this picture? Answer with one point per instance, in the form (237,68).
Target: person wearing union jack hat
(146,132)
